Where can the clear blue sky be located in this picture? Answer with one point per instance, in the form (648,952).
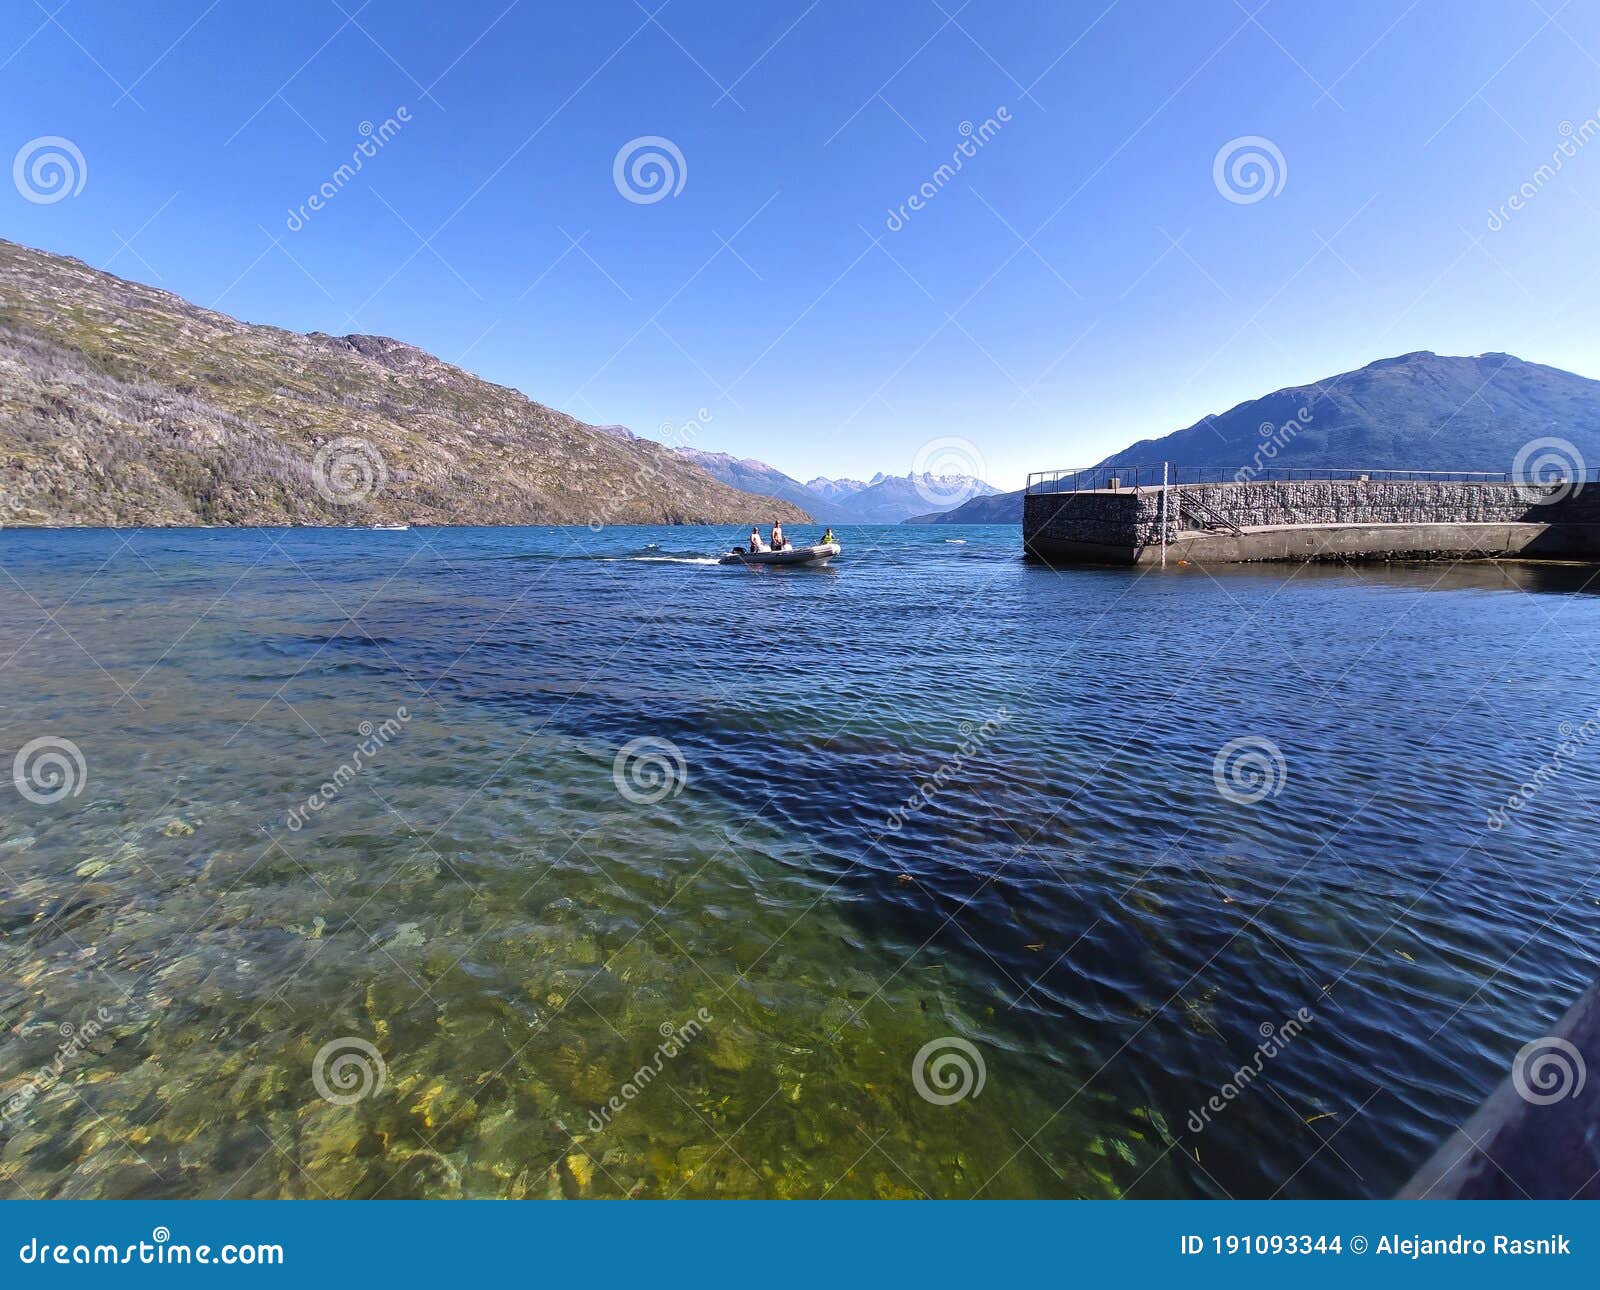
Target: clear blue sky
(1082,282)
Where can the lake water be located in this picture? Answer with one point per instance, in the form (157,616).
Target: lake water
(351,895)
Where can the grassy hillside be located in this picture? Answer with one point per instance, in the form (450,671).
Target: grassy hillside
(122,405)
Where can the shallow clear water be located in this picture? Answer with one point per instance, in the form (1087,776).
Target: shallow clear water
(476,898)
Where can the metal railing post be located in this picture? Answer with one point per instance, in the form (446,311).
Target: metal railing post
(1163,514)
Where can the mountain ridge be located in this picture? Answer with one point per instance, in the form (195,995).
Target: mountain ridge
(123,404)
(1463,412)
(1460,413)
(884,499)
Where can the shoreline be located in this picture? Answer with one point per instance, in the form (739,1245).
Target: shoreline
(368,528)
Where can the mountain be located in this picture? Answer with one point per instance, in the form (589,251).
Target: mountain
(996,508)
(751,476)
(833,489)
(889,499)
(1419,411)
(883,499)
(124,405)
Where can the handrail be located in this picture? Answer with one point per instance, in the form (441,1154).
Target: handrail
(1105,478)
(1208,514)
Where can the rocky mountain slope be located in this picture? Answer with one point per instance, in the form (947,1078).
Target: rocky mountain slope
(1419,411)
(751,476)
(124,405)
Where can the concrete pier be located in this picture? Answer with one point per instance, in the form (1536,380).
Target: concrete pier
(1363,517)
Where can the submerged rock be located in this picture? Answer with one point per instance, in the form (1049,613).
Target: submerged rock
(405,936)
(734,1047)
(581,1170)
(424,1175)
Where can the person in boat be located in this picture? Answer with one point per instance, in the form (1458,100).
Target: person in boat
(778,540)
(827,538)
(755,539)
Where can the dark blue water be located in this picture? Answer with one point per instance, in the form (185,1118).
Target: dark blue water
(928,798)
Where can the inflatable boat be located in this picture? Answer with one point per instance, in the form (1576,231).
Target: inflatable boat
(789,555)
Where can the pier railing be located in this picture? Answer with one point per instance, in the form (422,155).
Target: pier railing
(1100,478)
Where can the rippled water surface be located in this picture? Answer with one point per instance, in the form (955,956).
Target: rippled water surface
(929,796)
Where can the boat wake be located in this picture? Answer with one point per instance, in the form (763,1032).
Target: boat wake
(658,559)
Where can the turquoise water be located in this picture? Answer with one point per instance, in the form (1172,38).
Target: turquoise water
(343,805)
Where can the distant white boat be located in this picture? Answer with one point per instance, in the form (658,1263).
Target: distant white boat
(395,527)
